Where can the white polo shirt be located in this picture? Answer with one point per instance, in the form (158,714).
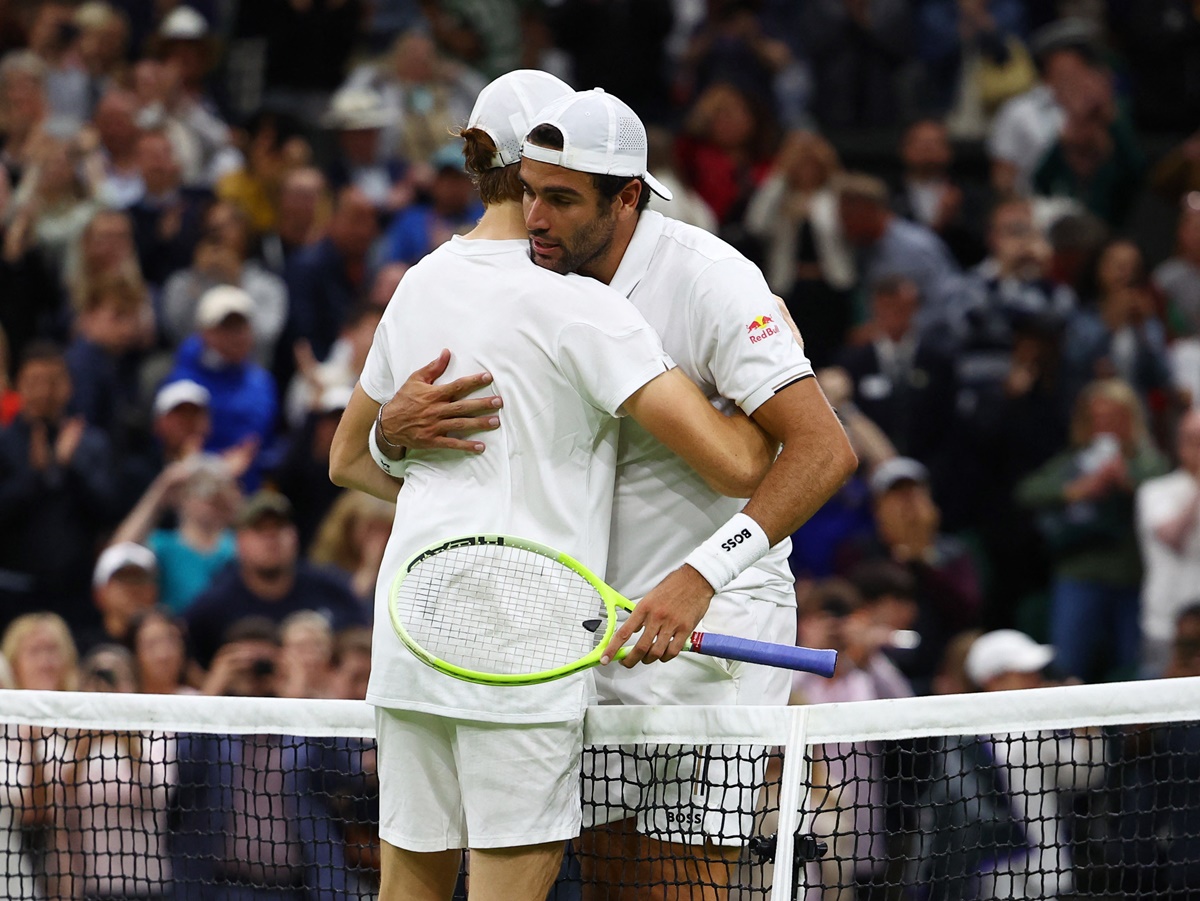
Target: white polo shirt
(720,323)
(565,352)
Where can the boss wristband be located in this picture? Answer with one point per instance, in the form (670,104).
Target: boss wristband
(395,468)
(729,551)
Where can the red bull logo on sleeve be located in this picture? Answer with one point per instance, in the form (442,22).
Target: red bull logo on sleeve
(762,327)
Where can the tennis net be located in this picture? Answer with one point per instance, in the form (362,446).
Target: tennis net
(1090,791)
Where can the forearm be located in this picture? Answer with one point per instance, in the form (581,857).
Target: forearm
(142,518)
(350,462)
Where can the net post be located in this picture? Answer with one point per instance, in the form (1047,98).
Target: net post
(791,791)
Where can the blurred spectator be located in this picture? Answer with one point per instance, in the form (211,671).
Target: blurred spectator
(53,203)
(103,44)
(1026,126)
(25,110)
(243,402)
(304,205)
(889,245)
(41,652)
(426,96)
(158,642)
(1116,331)
(111,797)
(116,131)
(930,194)
(187,51)
(352,663)
(621,47)
(272,145)
(1035,778)
(124,583)
(1095,158)
(357,116)
(223,257)
(724,152)
(167,218)
(685,204)
(1083,498)
(204,494)
(858,50)
(794,213)
(1076,237)
(1178,278)
(1177,173)
(105,250)
(832,615)
(1185,645)
(305,656)
(974,59)
(889,596)
(57,492)
(1168,527)
(180,424)
(903,382)
(249,810)
(269,580)
(303,473)
(352,538)
(907,525)
(114,327)
(453,208)
(325,279)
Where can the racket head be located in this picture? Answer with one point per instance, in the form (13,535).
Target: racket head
(501,610)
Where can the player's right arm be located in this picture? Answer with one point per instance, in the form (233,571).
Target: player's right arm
(730,453)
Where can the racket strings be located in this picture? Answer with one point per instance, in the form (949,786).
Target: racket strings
(498,609)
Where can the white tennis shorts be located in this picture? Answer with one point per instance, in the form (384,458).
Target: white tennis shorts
(686,794)
(447,783)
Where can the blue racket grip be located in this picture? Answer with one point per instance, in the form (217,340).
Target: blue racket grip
(809,660)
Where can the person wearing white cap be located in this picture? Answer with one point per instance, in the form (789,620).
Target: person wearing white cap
(571,356)
(1007,659)
(219,357)
(124,582)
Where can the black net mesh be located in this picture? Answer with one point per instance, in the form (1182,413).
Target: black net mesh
(1095,813)
(1085,813)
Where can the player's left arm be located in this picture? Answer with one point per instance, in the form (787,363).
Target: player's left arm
(816,460)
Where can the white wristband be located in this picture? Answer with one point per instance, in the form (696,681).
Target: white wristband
(395,468)
(730,551)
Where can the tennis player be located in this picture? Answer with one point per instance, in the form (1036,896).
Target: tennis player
(496,769)
(586,186)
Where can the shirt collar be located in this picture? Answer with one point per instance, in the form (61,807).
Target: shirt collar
(636,261)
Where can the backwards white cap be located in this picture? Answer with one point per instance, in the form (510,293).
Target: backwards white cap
(601,135)
(506,107)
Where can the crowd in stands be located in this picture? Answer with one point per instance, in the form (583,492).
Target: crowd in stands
(983,215)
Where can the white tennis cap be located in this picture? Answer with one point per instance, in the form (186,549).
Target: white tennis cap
(1005,651)
(506,107)
(118,557)
(601,135)
(178,393)
(219,303)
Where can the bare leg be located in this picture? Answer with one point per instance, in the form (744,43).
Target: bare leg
(417,876)
(608,861)
(676,872)
(514,874)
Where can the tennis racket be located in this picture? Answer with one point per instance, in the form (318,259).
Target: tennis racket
(501,610)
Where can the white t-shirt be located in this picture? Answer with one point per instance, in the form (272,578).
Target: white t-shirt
(1172,580)
(565,352)
(721,325)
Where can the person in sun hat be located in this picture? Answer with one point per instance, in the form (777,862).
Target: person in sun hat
(1007,659)
(572,355)
(586,182)
(358,116)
